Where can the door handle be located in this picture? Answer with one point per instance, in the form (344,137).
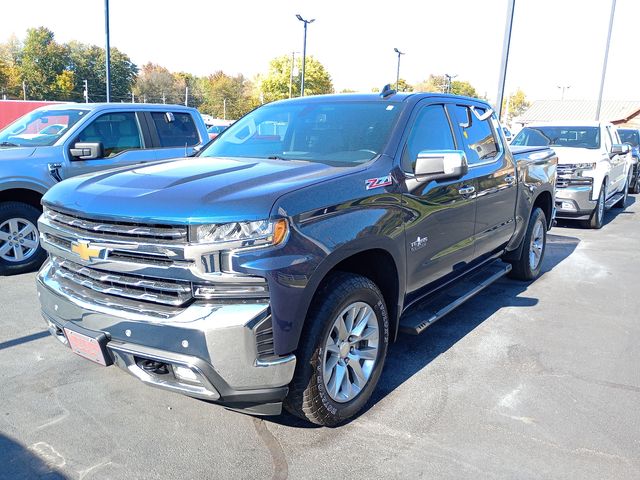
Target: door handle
(509,179)
(466,190)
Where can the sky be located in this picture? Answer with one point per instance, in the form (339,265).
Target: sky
(554,42)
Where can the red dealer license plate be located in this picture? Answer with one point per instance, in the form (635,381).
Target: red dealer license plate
(85,346)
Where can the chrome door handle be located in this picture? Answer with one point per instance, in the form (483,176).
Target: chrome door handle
(509,179)
(466,190)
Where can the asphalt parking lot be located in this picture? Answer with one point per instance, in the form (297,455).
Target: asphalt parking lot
(537,380)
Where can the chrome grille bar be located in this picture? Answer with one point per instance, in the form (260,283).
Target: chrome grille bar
(167,234)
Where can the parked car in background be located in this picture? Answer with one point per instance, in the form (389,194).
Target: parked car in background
(276,265)
(631,136)
(59,141)
(215,130)
(594,167)
(507,134)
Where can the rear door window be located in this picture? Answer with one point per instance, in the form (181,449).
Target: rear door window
(480,141)
(175,129)
(116,131)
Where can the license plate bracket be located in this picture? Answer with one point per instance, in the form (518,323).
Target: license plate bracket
(89,345)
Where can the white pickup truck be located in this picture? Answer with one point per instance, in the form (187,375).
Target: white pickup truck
(593,167)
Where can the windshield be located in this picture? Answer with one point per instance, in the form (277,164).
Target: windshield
(39,128)
(629,136)
(573,137)
(338,133)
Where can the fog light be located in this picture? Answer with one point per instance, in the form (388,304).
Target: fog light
(185,373)
(567,206)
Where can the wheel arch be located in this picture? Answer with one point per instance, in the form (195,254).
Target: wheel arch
(23,195)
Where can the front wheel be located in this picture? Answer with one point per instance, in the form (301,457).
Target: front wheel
(622,203)
(20,249)
(528,266)
(342,351)
(597,217)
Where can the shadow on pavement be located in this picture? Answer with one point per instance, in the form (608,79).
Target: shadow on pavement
(410,354)
(18,462)
(25,339)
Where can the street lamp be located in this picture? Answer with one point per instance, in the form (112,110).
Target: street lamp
(448,79)
(398,71)
(304,49)
(563,88)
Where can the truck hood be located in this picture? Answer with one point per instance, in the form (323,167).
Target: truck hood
(578,155)
(16,153)
(189,190)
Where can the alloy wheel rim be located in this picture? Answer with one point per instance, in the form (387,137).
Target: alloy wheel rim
(537,245)
(351,352)
(601,204)
(19,240)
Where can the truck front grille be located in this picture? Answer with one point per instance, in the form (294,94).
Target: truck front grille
(165,292)
(118,230)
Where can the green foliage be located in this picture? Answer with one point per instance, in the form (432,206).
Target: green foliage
(275,86)
(402,86)
(227,97)
(42,60)
(518,104)
(439,83)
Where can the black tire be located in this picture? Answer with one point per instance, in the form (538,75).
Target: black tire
(522,268)
(622,203)
(636,186)
(22,211)
(308,397)
(597,217)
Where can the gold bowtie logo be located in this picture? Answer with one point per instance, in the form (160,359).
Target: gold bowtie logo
(85,251)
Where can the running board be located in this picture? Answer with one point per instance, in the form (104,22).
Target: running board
(437,306)
(613,200)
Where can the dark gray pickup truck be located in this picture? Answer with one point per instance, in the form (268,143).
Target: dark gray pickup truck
(275,267)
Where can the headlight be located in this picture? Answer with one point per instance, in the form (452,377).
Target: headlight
(248,234)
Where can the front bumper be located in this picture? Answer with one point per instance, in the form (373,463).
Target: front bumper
(575,202)
(218,342)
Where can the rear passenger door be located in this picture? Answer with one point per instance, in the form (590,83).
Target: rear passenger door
(439,233)
(492,165)
(175,134)
(122,139)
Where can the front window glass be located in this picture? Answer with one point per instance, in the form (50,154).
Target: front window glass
(572,137)
(337,133)
(39,128)
(630,136)
(116,131)
(431,131)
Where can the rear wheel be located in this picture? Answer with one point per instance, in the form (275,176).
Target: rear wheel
(342,351)
(528,266)
(622,203)
(20,249)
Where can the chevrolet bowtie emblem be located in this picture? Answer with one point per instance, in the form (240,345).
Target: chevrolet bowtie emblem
(86,252)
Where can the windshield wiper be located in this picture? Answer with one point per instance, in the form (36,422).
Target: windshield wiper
(8,144)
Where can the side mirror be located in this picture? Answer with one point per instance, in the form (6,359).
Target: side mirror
(621,149)
(441,165)
(87,151)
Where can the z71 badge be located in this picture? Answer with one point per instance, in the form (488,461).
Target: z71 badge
(372,183)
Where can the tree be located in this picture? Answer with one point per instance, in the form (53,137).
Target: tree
(403,86)
(10,74)
(156,84)
(226,96)
(439,83)
(275,85)
(518,104)
(42,60)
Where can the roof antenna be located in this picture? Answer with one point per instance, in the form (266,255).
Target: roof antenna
(387,91)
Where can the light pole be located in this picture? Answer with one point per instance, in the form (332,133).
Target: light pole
(606,58)
(505,55)
(293,63)
(563,88)
(448,78)
(107,49)
(398,70)
(304,50)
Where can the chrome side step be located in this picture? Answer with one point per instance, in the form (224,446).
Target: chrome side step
(434,308)
(613,200)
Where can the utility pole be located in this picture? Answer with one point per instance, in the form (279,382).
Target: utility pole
(606,58)
(186,96)
(144,98)
(293,64)
(164,98)
(24,90)
(86,91)
(133,97)
(505,56)
(304,50)
(224,108)
(107,51)
(398,69)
